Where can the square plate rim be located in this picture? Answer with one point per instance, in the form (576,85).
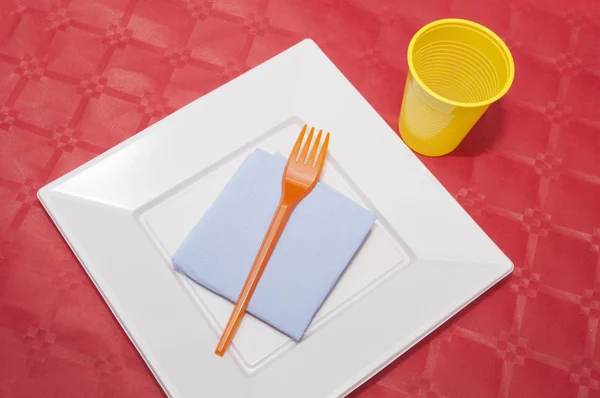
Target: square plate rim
(502,266)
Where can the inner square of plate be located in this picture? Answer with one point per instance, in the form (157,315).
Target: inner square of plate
(256,344)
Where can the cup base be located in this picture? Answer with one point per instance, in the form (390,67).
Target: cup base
(420,147)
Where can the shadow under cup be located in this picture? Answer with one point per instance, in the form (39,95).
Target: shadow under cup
(457,68)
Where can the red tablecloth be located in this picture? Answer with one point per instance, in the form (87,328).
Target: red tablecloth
(79,76)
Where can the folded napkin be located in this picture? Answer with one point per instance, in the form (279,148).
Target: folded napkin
(321,237)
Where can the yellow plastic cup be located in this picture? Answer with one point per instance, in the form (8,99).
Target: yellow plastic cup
(457,68)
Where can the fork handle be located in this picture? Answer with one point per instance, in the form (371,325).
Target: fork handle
(264,254)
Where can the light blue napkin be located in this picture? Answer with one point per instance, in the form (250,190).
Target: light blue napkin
(321,237)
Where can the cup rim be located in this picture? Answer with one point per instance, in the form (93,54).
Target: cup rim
(464,22)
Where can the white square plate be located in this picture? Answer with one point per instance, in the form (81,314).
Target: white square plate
(125,212)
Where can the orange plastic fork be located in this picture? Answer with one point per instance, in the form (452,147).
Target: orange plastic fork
(300,177)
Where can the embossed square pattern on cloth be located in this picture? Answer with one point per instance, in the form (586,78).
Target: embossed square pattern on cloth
(79,76)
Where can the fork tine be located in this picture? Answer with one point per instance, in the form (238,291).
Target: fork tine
(315,148)
(298,144)
(306,146)
(322,155)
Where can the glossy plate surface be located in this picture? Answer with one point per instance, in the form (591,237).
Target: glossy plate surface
(125,212)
